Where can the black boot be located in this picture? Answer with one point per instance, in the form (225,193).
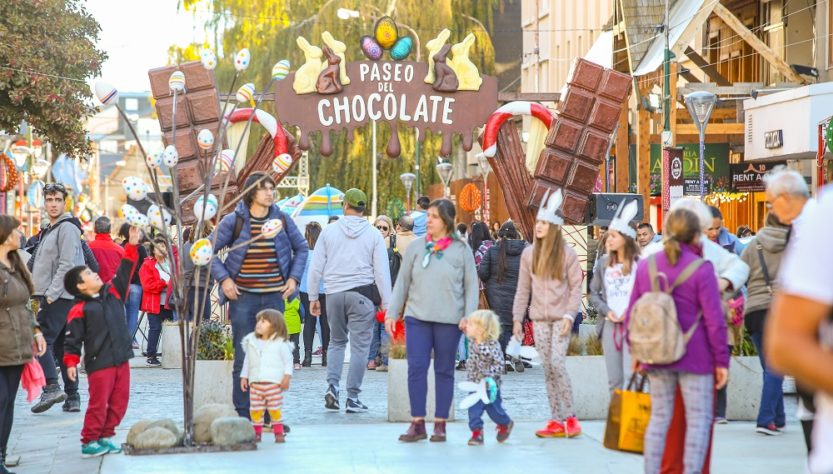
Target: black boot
(3,469)
(307,359)
(51,395)
(324,359)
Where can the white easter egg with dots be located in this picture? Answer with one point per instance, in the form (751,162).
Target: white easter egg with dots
(205,139)
(211,205)
(155,216)
(242,59)
(134,187)
(170,156)
(154,160)
(208,59)
(201,252)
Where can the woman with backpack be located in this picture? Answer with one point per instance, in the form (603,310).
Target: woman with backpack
(693,348)
(763,255)
(549,287)
(499,272)
(610,291)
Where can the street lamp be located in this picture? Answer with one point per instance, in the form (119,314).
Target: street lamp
(700,105)
(408,181)
(444,169)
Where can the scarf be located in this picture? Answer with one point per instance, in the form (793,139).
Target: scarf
(435,248)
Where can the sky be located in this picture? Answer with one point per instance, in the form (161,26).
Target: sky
(136,35)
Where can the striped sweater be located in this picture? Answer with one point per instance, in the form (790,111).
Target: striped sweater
(260,272)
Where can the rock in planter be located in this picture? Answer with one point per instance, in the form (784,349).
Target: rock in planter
(155,438)
(205,415)
(231,430)
(170,345)
(169,425)
(138,428)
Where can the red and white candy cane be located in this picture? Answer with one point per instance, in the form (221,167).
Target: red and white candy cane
(281,146)
(511,109)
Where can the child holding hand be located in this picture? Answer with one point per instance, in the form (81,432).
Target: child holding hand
(267,370)
(486,359)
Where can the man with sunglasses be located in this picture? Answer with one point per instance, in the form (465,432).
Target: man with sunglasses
(58,250)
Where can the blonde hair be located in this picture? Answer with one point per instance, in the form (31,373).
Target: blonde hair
(276,321)
(488,321)
(548,255)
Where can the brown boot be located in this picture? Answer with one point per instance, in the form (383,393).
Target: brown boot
(415,432)
(439,432)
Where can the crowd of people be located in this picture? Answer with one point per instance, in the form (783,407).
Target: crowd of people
(464,295)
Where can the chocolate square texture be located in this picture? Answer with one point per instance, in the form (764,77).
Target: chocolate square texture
(593,146)
(585,74)
(197,77)
(576,104)
(564,134)
(164,110)
(574,207)
(203,106)
(605,115)
(615,85)
(186,143)
(583,177)
(539,188)
(554,165)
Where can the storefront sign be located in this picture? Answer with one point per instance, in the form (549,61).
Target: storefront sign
(749,177)
(716,168)
(773,139)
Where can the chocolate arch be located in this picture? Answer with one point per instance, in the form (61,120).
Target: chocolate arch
(392,92)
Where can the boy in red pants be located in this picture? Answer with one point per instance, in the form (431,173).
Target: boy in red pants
(97,322)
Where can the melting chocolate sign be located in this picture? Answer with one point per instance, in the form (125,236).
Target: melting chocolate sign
(392,92)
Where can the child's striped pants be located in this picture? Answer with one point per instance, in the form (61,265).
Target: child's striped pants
(262,397)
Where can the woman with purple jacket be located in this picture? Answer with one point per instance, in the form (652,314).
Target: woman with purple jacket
(704,366)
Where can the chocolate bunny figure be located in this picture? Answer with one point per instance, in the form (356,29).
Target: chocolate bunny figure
(328,81)
(445,79)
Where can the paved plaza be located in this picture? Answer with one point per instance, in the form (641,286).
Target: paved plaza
(323,441)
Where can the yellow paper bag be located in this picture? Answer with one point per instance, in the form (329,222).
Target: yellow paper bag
(627,419)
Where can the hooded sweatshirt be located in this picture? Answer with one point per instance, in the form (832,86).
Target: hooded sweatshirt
(58,251)
(350,253)
(773,241)
(500,289)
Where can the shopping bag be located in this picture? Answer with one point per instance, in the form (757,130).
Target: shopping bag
(529,338)
(627,419)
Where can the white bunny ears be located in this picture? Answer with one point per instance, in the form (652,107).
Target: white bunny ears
(484,391)
(549,205)
(621,221)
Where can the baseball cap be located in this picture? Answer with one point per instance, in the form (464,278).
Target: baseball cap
(355,197)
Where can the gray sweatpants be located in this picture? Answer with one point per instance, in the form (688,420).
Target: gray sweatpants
(617,360)
(349,313)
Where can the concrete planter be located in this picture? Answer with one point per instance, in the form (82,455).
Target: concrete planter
(170,345)
(745,383)
(212,382)
(399,402)
(590,392)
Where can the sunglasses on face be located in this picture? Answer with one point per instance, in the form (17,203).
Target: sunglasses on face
(383,228)
(55,188)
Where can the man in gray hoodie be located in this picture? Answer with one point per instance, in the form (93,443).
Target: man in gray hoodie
(58,250)
(350,256)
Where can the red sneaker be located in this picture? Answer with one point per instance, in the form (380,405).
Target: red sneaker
(476,438)
(503,431)
(572,427)
(554,429)
(280,436)
(258,433)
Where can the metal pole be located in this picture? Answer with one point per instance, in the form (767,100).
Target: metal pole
(666,75)
(373,201)
(702,162)
(416,166)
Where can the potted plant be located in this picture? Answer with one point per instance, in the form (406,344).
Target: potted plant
(215,354)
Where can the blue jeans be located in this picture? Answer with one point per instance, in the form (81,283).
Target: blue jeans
(494,409)
(243,314)
(131,308)
(772,393)
(380,344)
(462,348)
(193,294)
(155,329)
(423,337)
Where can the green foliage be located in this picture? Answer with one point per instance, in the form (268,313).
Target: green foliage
(47,52)
(215,342)
(746,347)
(270,29)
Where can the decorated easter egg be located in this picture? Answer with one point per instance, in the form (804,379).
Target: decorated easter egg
(281,163)
(271,228)
(402,48)
(241,60)
(225,161)
(208,59)
(155,216)
(246,93)
(154,160)
(134,187)
(170,156)
(205,139)
(141,221)
(280,70)
(386,33)
(210,205)
(201,252)
(371,48)
(106,93)
(126,211)
(177,81)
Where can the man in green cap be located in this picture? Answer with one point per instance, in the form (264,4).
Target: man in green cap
(350,256)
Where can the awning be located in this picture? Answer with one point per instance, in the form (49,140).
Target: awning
(601,52)
(685,17)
